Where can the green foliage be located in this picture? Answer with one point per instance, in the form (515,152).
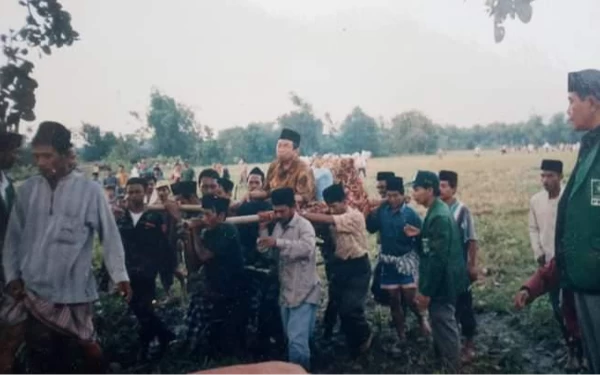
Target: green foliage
(98,145)
(360,132)
(47,26)
(174,127)
(500,10)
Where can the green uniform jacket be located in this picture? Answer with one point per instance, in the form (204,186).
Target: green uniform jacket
(578,221)
(442,269)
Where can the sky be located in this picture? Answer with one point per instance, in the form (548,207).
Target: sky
(236,61)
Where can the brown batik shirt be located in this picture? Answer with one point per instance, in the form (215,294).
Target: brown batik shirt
(298,176)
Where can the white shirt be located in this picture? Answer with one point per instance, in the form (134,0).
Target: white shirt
(3,185)
(136,217)
(135,172)
(542,224)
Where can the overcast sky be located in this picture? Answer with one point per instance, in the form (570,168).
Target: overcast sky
(235,61)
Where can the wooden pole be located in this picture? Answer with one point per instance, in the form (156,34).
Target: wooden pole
(247,219)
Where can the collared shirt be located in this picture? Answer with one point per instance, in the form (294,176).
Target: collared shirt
(465,221)
(350,234)
(542,224)
(299,280)
(50,238)
(298,176)
(390,224)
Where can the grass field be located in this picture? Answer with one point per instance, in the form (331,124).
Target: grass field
(497,188)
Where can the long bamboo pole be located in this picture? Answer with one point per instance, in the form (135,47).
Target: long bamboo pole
(247,219)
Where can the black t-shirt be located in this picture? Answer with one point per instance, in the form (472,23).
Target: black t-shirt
(249,232)
(224,271)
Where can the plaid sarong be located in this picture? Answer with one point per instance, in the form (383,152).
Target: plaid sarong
(72,320)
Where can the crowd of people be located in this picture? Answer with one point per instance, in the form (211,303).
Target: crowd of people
(253,285)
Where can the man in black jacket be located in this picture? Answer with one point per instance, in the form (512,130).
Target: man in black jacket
(145,244)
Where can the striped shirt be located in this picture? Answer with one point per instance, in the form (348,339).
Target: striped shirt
(50,237)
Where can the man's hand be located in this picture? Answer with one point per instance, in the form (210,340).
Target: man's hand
(266,242)
(124,289)
(422,301)
(473,273)
(411,231)
(16,289)
(541,260)
(265,216)
(522,299)
(117,211)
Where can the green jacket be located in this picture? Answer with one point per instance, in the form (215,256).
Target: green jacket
(442,269)
(578,221)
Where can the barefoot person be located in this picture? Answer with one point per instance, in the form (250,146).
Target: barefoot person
(47,254)
(398,256)
(442,270)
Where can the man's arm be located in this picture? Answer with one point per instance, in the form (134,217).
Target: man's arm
(14,233)
(319,218)
(438,254)
(372,221)
(300,248)
(114,255)
(534,233)
(305,185)
(471,237)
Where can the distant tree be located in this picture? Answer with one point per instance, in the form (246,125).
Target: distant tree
(303,120)
(413,132)
(360,132)
(173,126)
(47,26)
(97,145)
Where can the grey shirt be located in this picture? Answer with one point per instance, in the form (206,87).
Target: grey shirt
(298,276)
(50,238)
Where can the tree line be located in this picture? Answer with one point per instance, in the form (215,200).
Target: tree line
(171,130)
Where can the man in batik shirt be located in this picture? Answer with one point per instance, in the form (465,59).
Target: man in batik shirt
(289,171)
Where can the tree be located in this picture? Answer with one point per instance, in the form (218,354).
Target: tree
(500,10)
(303,120)
(413,132)
(47,26)
(173,125)
(360,132)
(98,145)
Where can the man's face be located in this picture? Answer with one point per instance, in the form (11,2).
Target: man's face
(551,180)
(395,198)
(135,194)
(381,188)
(283,213)
(121,169)
(254,182)
(150,188)
(208,186)
(581,112)
(337,208)
(211,219)
(285,150)
(421,195)
(8,158)
(446,191)
(163,193)
(49,161)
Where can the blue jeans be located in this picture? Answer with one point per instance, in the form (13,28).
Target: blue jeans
(299,324)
